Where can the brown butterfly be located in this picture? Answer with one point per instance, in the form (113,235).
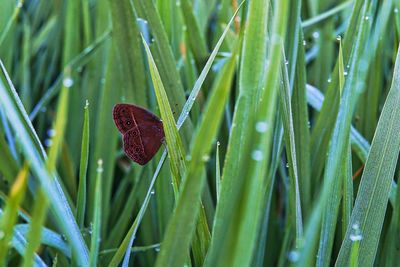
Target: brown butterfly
(142,131)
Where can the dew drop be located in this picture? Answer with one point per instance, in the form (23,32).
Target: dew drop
(304,42)
(396,10)
(329,80)
(51,132)
(68,82)
(355,237)
(152,192)
(48,142)
(157,249)
(293,256)
(315,35)
(338,37)
(261,126)
(275,38)
(86,104)
(205,158)
(366,17)
(90,228)
(100,165)
(345,73)
(257,155)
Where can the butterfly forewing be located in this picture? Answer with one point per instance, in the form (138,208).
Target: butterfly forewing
(143,131)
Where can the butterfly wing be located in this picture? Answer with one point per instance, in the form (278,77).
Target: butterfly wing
(143,131)
(152,136)
(123,117)
(134,148)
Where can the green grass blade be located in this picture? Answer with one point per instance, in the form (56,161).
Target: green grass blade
(176,152)
(217,172)
(35,227)
(291,152)
(253,60)
(330,214)
(369,208)
(49,238)
(132,64)
(11,21)
(196,40)
(131,235)
(8,165)
(9,217)
(234,246)
(96,228)
(81,200)
(327,14)
(183,116)
(161,51)
(301,126)
(32,149)
(182,224)
(19,243)
(77,62)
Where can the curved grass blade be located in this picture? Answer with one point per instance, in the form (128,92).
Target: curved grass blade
(81,199)
(288,126)
(176,152)
(370,206)
(9,217)
(48,238)
(196,39)
(129,238)
(182,224)
(95,238)
(9,24)
(33,150)
(78,61)
(19,243)
(134,86)
(341,133)
(35,227)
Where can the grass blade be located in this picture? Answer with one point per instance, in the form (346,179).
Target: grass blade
(182,224)
(371,201)
(9,217)
(95,238)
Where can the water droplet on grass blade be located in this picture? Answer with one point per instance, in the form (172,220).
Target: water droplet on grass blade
(68,82)
(257,155)
(261,126)
(293,256)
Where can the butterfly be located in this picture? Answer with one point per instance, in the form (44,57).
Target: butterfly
(142,131)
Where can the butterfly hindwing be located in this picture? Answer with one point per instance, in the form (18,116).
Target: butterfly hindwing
(134,148)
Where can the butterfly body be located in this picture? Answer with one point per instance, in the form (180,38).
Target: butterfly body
(142,131)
